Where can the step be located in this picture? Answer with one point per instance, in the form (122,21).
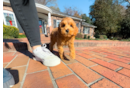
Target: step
(16,45)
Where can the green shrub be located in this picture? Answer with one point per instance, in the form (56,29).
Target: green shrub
(102,36)
(114,38)
(85,36)
(88,37)
(96,35)
(7,37)
(125,39)
(10,31)
(22,36)
(79,35)
(79,38)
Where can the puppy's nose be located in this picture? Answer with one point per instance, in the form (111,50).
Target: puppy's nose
(67,30)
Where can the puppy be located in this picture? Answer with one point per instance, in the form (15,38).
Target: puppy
(64,35)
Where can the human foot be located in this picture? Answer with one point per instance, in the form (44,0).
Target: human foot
(45,56)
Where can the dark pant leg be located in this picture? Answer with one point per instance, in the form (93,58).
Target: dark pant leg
(26,13)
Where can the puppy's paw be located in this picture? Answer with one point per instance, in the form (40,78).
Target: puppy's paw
(72,56)
(61,57)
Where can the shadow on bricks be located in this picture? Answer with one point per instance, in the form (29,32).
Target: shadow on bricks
(14,44)
(27,53)
(57,53)
(15,74)
(11,40)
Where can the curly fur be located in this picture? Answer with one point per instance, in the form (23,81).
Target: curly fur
(62,37)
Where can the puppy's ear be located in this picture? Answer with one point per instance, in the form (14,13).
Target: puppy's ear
(75,30)
(59,29)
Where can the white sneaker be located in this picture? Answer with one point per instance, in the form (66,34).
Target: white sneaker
(46,57)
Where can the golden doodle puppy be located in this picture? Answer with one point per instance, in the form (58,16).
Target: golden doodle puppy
(64,35)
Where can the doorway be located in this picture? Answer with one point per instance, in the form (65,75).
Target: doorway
(42,26)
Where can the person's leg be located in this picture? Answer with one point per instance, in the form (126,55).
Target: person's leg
(26,13)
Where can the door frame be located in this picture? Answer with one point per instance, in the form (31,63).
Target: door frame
(43,26)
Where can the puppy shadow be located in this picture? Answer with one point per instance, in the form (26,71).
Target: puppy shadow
(66,59)
(14,73)
(57,53)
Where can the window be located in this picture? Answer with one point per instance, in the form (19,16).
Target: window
(56,23)
(86,30)
(9,18)
(78,25)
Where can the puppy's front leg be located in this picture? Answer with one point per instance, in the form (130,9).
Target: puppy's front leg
(60,49)
(72,50)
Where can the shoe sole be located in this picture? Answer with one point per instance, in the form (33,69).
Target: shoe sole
(45,64)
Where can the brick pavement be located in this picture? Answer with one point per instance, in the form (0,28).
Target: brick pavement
(100,67)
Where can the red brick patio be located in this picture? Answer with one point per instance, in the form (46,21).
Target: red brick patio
(94,67)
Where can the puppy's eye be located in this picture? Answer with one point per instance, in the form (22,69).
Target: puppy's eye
(71,25)
(63,25)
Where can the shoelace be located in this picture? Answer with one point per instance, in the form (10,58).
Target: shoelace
(46,50)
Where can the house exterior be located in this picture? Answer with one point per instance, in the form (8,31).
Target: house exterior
(88,29)
(48,19)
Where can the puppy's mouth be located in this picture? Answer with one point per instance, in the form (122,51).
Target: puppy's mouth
(68,35)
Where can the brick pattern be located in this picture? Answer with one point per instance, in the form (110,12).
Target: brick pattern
(104,83)
(35,66)
(41,78)
(121,64)
(105,64)
(125,71)
(60,70)
(70,82)
(114,76)
(20,60)
(86,74)
(85,61)
(91,68)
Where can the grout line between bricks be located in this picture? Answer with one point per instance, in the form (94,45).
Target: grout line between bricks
(64,76)
(96,53)
(11,61)
(52,78)
(120,56)
(92,58)
(73,62)
(76,74)
(93,65)
(19,66)
(116,70)
(86,58)
(37,71)
(106,78)
(24,74)
(14,53)
(128,63)
(94,81)
(11,51)
(110,60)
